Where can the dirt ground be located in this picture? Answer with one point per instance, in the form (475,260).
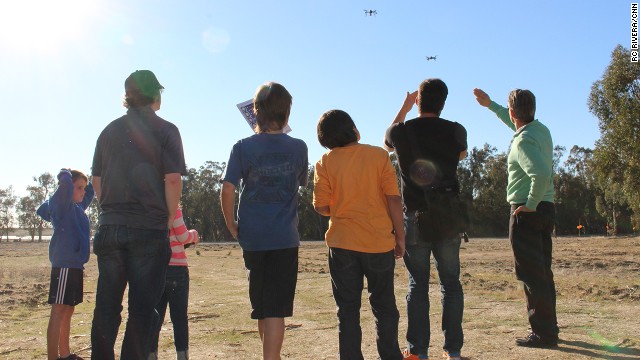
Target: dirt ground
(597,279)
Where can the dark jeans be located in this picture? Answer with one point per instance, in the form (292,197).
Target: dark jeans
(348,269)
(530,236)
(176,294)
(446,254)
(138,257)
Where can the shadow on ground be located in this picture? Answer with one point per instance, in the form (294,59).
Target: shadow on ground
(596,351)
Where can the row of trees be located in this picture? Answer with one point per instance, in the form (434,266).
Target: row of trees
(483,179)
(25,207)
(597,189)
(202,210)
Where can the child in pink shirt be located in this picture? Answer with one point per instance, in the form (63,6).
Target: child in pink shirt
(176,290)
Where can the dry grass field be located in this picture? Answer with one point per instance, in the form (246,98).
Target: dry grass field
(598,284)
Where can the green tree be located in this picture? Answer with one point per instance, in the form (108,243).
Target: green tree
(27,217)
(7,203)
(558,153)
(611,202)
(312,225)
(93,211)
(45,186)
(483,178)
(576,194)
(615,101)
(201,202)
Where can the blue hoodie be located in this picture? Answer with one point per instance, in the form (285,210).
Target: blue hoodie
(69,246)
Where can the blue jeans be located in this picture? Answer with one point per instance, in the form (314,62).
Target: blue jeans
(176,294)
(446,254)
(138,257)
(348,270)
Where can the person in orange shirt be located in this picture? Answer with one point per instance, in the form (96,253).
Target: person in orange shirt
(356,185)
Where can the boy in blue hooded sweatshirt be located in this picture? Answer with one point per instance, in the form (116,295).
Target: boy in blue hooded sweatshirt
(68,252)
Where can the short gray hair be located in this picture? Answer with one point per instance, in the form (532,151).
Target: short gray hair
(523,104)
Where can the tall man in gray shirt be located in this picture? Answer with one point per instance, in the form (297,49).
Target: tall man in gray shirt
(137,168)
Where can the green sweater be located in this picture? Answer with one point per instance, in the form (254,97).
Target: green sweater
(530,161)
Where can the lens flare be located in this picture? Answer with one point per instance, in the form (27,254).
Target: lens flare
(604,342)
(423,172)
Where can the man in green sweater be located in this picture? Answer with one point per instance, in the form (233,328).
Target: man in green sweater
(530,193)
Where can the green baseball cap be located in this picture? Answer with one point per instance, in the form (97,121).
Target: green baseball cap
(144,82)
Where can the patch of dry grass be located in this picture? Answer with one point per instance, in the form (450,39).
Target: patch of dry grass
(597,279)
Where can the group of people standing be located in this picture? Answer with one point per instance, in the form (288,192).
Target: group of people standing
(372,223)
(137,169)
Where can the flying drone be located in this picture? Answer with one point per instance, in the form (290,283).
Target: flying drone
(431,57)
(370,12)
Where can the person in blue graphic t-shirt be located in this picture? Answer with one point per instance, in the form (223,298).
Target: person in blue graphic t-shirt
(268,168)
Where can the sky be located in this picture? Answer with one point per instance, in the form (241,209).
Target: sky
(63,64)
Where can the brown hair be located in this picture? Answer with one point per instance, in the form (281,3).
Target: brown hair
(272,106)
(336,129)
(77,174)
(523,104)
(432,95)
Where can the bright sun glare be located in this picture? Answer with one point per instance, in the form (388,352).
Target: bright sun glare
(44,25)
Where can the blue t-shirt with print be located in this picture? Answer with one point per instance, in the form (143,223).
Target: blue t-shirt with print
(268,169)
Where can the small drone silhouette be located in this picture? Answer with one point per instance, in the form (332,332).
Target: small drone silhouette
(432,57)
(370,12)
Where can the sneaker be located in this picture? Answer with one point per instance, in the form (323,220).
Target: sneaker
(71,357)
(535,341)
(448,356)
(409,356)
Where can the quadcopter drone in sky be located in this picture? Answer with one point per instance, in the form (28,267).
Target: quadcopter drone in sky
(370,12)
(432,57)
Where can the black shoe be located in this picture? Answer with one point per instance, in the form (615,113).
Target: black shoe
(535,341)
(71,357)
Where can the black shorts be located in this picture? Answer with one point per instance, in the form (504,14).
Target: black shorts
(273,275)
(66,286)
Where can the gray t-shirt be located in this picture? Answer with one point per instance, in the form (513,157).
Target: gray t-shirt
(132,156)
